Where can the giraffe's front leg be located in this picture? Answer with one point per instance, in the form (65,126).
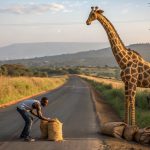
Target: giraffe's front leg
(133,122)
(131,94)
(127,111)
(127,105)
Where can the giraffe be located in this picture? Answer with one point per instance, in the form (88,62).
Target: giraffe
(135,71)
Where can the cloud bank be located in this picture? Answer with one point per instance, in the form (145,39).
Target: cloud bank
(33,8)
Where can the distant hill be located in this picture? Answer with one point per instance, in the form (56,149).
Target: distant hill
(101,57)
(31,50)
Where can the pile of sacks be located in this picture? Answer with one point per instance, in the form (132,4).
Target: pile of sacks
(130,133)
(51,130)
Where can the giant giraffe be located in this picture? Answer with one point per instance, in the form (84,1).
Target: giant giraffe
(135,71)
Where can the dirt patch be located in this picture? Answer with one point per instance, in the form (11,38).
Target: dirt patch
(104,111)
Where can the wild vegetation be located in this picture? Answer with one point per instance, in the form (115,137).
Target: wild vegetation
(107,71)
(14,88)
(17,70)
(18,81)
(115,97)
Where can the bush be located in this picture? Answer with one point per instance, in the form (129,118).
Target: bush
(141,100)
(14,70)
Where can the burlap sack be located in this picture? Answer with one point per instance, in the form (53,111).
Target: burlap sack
(44,129)
(55,130)
(143,136)
(114,129)
(129,132)
(138,135)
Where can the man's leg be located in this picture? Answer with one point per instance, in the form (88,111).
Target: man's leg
(28,123)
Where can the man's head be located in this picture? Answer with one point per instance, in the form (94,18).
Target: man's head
(44,101)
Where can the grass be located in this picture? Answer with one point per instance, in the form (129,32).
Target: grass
(115,83)
(14,88)
(109,72)
(115,97)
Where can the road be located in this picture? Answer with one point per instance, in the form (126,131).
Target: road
(72,104)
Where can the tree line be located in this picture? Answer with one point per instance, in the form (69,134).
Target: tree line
(16,70)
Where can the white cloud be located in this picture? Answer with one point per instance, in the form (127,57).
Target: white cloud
(33,8)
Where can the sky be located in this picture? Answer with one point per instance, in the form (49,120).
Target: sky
(30,21)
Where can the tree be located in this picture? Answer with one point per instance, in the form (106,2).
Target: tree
(4,70)
(15,70)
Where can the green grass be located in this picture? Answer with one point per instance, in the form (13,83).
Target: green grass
(115,97)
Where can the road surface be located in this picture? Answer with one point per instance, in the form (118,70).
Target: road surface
(73,105)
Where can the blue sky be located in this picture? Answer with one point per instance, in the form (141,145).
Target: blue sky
(64,21)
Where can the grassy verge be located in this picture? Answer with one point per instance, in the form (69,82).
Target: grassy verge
(14,88)
(115,97)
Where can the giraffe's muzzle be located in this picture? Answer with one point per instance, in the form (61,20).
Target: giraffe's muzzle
(88,22)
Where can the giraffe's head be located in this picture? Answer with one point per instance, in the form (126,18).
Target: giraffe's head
(95,11)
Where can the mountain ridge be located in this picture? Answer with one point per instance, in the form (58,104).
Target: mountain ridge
(100,57)
(41,49)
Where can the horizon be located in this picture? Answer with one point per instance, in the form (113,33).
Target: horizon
(41,49)
(82,47)
(107,42)
(31,21)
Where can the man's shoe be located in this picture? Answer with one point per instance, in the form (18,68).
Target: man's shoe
(21,137)
(29,139)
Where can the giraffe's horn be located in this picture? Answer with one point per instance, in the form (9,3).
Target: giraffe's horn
(92,8)
(96,8)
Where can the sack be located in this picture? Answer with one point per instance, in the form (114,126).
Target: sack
(143,136)
(44,129)
(55,130)
(129,132)
(114,129)
(138,135)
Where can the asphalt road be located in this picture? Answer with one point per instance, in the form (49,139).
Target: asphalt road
(72,105)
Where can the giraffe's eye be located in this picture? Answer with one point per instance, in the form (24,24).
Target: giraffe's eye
(93,16)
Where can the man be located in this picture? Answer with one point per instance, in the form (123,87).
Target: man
(26,108)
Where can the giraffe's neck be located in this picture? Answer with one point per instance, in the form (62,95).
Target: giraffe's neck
(118,48)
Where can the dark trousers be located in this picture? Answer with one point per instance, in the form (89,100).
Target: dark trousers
(28,122)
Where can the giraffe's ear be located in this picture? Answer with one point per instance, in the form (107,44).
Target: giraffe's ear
(100,11)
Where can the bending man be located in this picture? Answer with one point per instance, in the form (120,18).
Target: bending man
(26,108)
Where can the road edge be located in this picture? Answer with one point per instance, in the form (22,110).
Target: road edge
(97,101)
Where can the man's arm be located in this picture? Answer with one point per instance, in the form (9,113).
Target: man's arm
(33,113)
(39,112)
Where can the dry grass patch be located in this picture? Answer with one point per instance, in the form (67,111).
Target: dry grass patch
(117,84)
(13,88)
